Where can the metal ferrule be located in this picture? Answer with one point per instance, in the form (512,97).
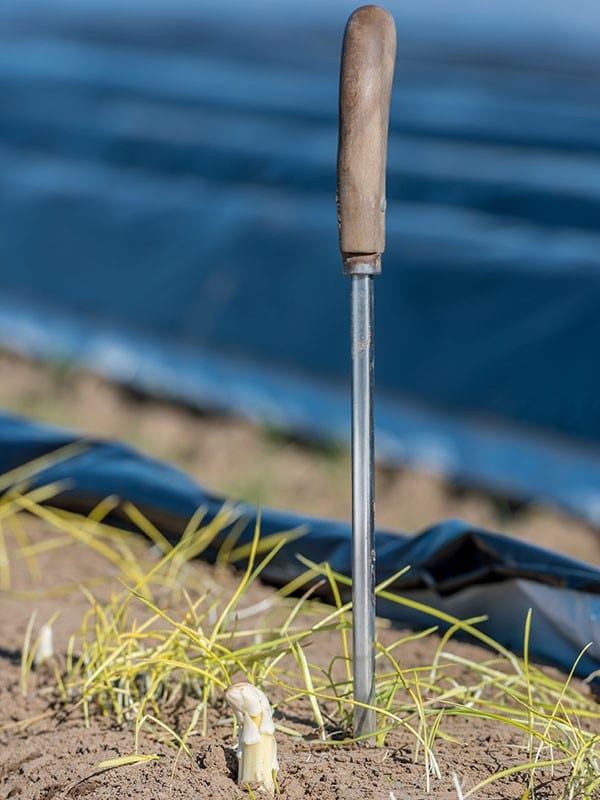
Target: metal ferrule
(362,264)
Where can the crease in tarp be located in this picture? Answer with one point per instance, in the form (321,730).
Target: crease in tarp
(454,567)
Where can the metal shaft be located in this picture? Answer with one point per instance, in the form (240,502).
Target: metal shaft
(363,505)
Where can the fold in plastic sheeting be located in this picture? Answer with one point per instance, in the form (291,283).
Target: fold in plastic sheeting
(454,567)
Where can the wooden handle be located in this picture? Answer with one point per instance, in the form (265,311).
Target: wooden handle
(367,71)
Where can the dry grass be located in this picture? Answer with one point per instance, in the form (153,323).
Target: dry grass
(163,640)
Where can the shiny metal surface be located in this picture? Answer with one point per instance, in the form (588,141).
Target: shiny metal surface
(363,508)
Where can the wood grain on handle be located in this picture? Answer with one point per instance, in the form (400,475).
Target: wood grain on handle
(367,71)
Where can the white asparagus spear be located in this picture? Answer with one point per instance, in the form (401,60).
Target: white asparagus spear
(257,748)
(45,648)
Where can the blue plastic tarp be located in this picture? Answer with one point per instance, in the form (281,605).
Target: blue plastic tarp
(167,218)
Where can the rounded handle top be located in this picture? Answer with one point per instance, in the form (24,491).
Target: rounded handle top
(367,70)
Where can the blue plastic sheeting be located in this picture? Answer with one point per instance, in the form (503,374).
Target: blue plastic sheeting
(453,567)
(167,218)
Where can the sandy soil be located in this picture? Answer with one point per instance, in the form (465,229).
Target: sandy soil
(57,756)
(46,751)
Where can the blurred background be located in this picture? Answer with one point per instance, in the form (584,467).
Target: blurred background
(169,271)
